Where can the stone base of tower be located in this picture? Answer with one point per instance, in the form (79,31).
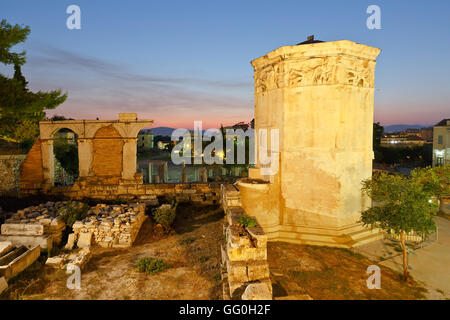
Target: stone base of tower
(346,237)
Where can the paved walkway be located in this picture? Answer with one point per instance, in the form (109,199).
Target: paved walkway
(429,265)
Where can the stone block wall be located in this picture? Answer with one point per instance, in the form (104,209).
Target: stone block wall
(104,188)
(9,177)
(244,252)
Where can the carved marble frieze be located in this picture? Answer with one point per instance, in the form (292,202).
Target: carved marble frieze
(314,71)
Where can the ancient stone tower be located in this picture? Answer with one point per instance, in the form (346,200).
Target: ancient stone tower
(320,96)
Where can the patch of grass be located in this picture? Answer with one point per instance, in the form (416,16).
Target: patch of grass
(151,265)
(247,221)
(353,253)
(187,241)
(204,258)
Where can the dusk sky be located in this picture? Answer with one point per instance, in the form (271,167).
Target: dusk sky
(180,61)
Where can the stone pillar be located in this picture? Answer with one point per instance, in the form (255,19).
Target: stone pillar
(48,163)
(166,172)
(204,175)
(161,173)
(85,157)
(150,172)
(320,98)
(183,173)
(129,158)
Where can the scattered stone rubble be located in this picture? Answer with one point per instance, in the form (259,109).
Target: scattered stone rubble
(35,225)
(244,255)
(78,259)
(109,226)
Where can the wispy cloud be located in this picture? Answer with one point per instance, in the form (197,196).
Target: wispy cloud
(100,88)
(52,57)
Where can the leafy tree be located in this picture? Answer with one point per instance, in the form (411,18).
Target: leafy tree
(405,204)
(67,155)
(20,109)
(9,37)
(377,134)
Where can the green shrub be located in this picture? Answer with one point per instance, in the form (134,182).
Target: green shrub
(165,214)
(187,241)
(247,221)
(72,212)
(151,265)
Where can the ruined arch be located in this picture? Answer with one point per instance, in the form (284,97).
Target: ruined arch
(65,157)
(107,152)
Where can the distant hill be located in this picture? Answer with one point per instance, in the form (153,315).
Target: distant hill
(167,132)
(162,131)
(401,127)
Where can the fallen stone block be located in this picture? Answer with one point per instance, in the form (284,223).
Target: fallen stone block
(19,229)
(18,260)
(5,247)
(257,291)
(70,241)
(44,241)
(55,262)
(84,240)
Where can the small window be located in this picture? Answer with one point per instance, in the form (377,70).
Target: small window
(440,138)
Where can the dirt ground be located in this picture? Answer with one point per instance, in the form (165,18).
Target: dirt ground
(331,274)
(192,252)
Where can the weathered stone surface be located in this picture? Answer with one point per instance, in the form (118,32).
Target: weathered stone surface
(45,242)
(3,284)
(55,262)
(257,291)
(244,255)
(84,240)
(5,247)
(70,241)
(18,260)
(237,271)
(79,259)
(22,229)
(257,270)
(10,168)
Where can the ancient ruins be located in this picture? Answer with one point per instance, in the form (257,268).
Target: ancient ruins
(319,95)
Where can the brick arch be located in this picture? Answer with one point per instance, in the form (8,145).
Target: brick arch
(107,152)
